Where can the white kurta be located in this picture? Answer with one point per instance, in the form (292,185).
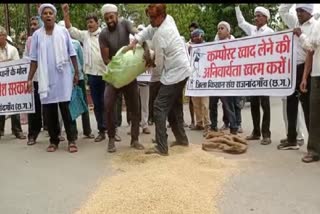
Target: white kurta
(60,83)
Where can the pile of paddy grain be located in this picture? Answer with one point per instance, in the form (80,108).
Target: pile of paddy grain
(188,181)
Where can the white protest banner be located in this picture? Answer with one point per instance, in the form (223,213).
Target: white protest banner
(144,77)
(249,66)
(14,97)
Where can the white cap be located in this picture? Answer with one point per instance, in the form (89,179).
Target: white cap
(264,11)
(62,23)
(43,6)
(226,24)
(109,8)
(9,39)
(306,7)
(140,27)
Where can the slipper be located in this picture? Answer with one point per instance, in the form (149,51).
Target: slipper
(89,136)
(310,158)
(52,148)
(72,148)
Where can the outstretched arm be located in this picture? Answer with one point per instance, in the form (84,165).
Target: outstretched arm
(243,24)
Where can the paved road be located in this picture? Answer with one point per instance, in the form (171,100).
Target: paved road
(35,182)
(273,181)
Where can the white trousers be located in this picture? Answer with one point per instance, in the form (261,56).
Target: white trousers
(144,99)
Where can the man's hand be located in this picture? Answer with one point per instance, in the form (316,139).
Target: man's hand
(303,86)
(297,31)
(133,45)
(29,86)
(65,8)
(76,78)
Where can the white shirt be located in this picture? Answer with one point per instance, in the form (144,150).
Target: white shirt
(98,67)
(249,29)
(171,57)
(311,42)
(291,20)
(155,74)
(9,53)
(26,54)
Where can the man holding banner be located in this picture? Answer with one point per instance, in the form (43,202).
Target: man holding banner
(200,104)
(311,42)
(232,114)
(303,19)
(9,53)
(262,15)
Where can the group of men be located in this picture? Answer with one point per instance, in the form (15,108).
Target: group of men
(56,66)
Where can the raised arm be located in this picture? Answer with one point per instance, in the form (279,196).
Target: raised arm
(242,23)
(74,32)
(289,18)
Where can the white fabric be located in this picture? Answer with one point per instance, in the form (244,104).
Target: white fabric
(171,56)
(249,29)
(144,99)
(26,54)
(43,6)
(62,23)
(306,7)
(291,20)
(9,38)
(312,42)
(226,24)
(263,10)
(87,47)
(109,8)
(60,54)
(93,62)
(140,27)
(217,37)
(9,53)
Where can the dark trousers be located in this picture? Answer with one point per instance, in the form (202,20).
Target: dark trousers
(44,120)
(264,101)
(15,123)
(314,127)
(237,111)
(191,109)
(168,104)
(213,108)
(130,92)
(97,87)
(51,111)
(85,116)
(35,119)
(154,89)
(229,108)
(293,103)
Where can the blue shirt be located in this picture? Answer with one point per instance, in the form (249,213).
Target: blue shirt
(77,47)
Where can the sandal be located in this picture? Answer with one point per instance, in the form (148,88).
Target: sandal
(310,158)
(72,148)
(52,148)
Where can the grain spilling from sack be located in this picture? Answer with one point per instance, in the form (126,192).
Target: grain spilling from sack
(188,181)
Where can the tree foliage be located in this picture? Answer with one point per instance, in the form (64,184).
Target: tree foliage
(207,15)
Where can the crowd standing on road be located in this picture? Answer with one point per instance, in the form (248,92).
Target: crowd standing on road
(62,56)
